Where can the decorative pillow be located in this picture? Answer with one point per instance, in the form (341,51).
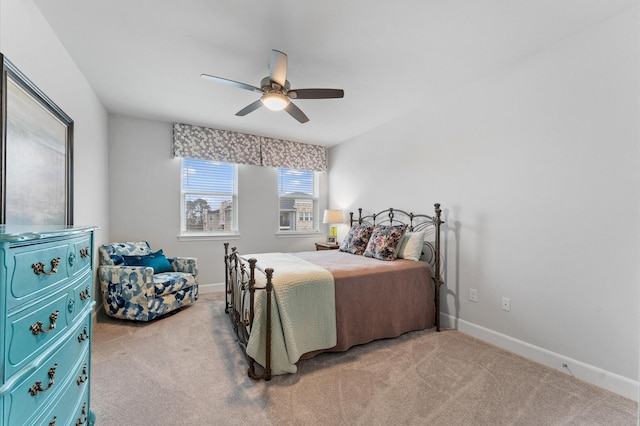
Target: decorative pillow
(384,241)
(157,261)
(410,247)
(347,239)
(356,240)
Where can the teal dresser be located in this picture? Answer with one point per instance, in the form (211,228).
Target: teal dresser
(46,305)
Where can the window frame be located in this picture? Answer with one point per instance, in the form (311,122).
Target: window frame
(186,234)
(315,199)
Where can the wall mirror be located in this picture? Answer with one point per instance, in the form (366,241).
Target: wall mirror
(37,154)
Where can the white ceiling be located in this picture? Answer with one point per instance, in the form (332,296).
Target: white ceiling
(144,58)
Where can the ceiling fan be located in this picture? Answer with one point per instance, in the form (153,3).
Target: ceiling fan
(276,91)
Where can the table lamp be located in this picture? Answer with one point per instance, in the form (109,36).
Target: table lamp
(331,217)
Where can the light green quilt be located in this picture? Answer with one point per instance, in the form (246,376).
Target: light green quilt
(303,312)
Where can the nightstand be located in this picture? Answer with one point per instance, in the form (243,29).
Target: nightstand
(325,246)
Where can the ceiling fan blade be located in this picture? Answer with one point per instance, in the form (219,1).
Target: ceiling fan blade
(249,108)
(278,67)
(296,113)
(315,93)
(231,83)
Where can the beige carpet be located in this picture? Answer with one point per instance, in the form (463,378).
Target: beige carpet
(186,369)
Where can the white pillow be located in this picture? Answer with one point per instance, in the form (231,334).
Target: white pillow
(411,246)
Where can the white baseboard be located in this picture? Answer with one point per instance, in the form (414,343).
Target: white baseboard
(210,288)
(594,375)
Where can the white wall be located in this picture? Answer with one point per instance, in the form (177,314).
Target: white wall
(145,200)
(537,167)
(29,43)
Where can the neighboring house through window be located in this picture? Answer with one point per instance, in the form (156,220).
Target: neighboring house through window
(298,200)
(209,197)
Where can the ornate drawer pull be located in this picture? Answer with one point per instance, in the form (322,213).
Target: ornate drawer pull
(37,387)
(84,295)
(84,253)
(37,327)
(83,416)
(38,268)
(84,335)
(83,377)
(53,422)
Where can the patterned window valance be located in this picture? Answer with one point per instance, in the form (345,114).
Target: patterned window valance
(212,144)
(241,148)
(293,155)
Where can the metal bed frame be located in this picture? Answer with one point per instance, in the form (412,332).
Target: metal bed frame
(240,282)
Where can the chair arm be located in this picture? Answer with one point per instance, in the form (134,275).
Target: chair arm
(132,281)
(185,264)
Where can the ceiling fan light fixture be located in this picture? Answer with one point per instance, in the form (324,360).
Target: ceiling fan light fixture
(275,101)
(275,90)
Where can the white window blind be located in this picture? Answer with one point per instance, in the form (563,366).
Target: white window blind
(298,200)
(209,197)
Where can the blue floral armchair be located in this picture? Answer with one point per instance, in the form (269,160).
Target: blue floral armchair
(138,284)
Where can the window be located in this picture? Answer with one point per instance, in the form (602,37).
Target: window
(209,197)
(298,200)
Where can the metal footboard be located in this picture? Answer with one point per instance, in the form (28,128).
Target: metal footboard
(240,296)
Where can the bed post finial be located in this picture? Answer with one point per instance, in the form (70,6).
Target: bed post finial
(359,215)
(252,277)
(235,256)
(350,218)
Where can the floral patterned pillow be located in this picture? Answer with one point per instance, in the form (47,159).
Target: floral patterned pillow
(356,240)
(384,241)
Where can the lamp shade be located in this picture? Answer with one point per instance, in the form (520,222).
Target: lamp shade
(333,216)
(275,101)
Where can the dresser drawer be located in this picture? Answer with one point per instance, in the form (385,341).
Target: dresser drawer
(80,255)
(61,415)
(27,280)
(81,295)
(24,345)
(63,376)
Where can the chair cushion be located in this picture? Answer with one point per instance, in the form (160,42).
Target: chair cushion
(111,254)
(158,261)
(170,282)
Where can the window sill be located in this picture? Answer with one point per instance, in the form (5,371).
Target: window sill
(209,237)
(294,234)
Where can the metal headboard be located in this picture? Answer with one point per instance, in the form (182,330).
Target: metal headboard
(415,222)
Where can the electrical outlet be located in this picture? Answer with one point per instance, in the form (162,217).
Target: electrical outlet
(473,295)
(506,304)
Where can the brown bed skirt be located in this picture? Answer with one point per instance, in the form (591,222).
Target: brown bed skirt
(376,299)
